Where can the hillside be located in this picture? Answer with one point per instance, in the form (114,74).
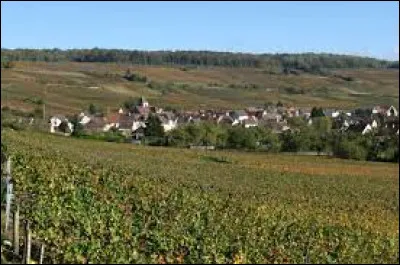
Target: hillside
(118,203)
(72,86)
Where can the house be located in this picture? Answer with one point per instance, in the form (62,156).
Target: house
(138,134)
(226,119)
(84,118)
(56,125)
(367,129)
(96,124)
(239,115)
(55,121)
(385,110)
(111,121)
(256,112)
(273,116)
(125,123)
(292,112)
(138,124)
(332,113)
(360,125)
(305,112)
(168,121)
(391,124)
(122,122)
(392,112)
(251,122)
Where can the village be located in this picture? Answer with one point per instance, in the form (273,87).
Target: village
(132,122)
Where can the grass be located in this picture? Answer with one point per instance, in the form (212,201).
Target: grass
(119,203)
(71,87)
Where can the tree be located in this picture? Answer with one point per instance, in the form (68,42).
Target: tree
(178,137)
(240,137)
(131,103)
(93,109)
(348,148)
(317,112)
(8,64)
(322,124)
(363,112)
(78,129)
(296,122)
(154,127)
(268,140)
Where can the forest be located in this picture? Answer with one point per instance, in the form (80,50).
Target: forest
(273,63)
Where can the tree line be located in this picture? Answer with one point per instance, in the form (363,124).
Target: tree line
(310,62)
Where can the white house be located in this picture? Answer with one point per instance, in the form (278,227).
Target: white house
(252,122)
(374,124)
(138,124)
(335,114)
(367,129)
(391,112)
(169,124)
(56,121)
(84,119)
(239,115)
(108,126)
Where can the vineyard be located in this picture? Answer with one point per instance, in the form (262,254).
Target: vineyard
(97,202)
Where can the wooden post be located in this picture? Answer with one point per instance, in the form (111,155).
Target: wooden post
(41,254)
(9,193)
(16,231)
(27,252)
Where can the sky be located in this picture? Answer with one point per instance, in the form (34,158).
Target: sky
(357,28)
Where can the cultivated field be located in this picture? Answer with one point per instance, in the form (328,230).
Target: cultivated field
(106,202)
(71,87)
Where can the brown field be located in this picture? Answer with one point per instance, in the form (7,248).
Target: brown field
(70,87)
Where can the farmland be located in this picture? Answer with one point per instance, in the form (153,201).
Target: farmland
(69,87)
(114,203)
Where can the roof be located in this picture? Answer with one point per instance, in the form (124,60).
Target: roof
(59,116)
(237,113)
(225,119)
(251,121)
(95,123)
(125,121)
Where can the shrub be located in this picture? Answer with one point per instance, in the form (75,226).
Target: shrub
(134,77)
(8,64)
(350,150)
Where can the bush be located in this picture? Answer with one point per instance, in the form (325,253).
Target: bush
(37,112)
(134,77)
(93,109)
(8,64)
(350,150)
(239,137)
(13,124)
(77,127)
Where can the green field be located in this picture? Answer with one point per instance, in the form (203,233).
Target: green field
(114,203)
(70,87)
